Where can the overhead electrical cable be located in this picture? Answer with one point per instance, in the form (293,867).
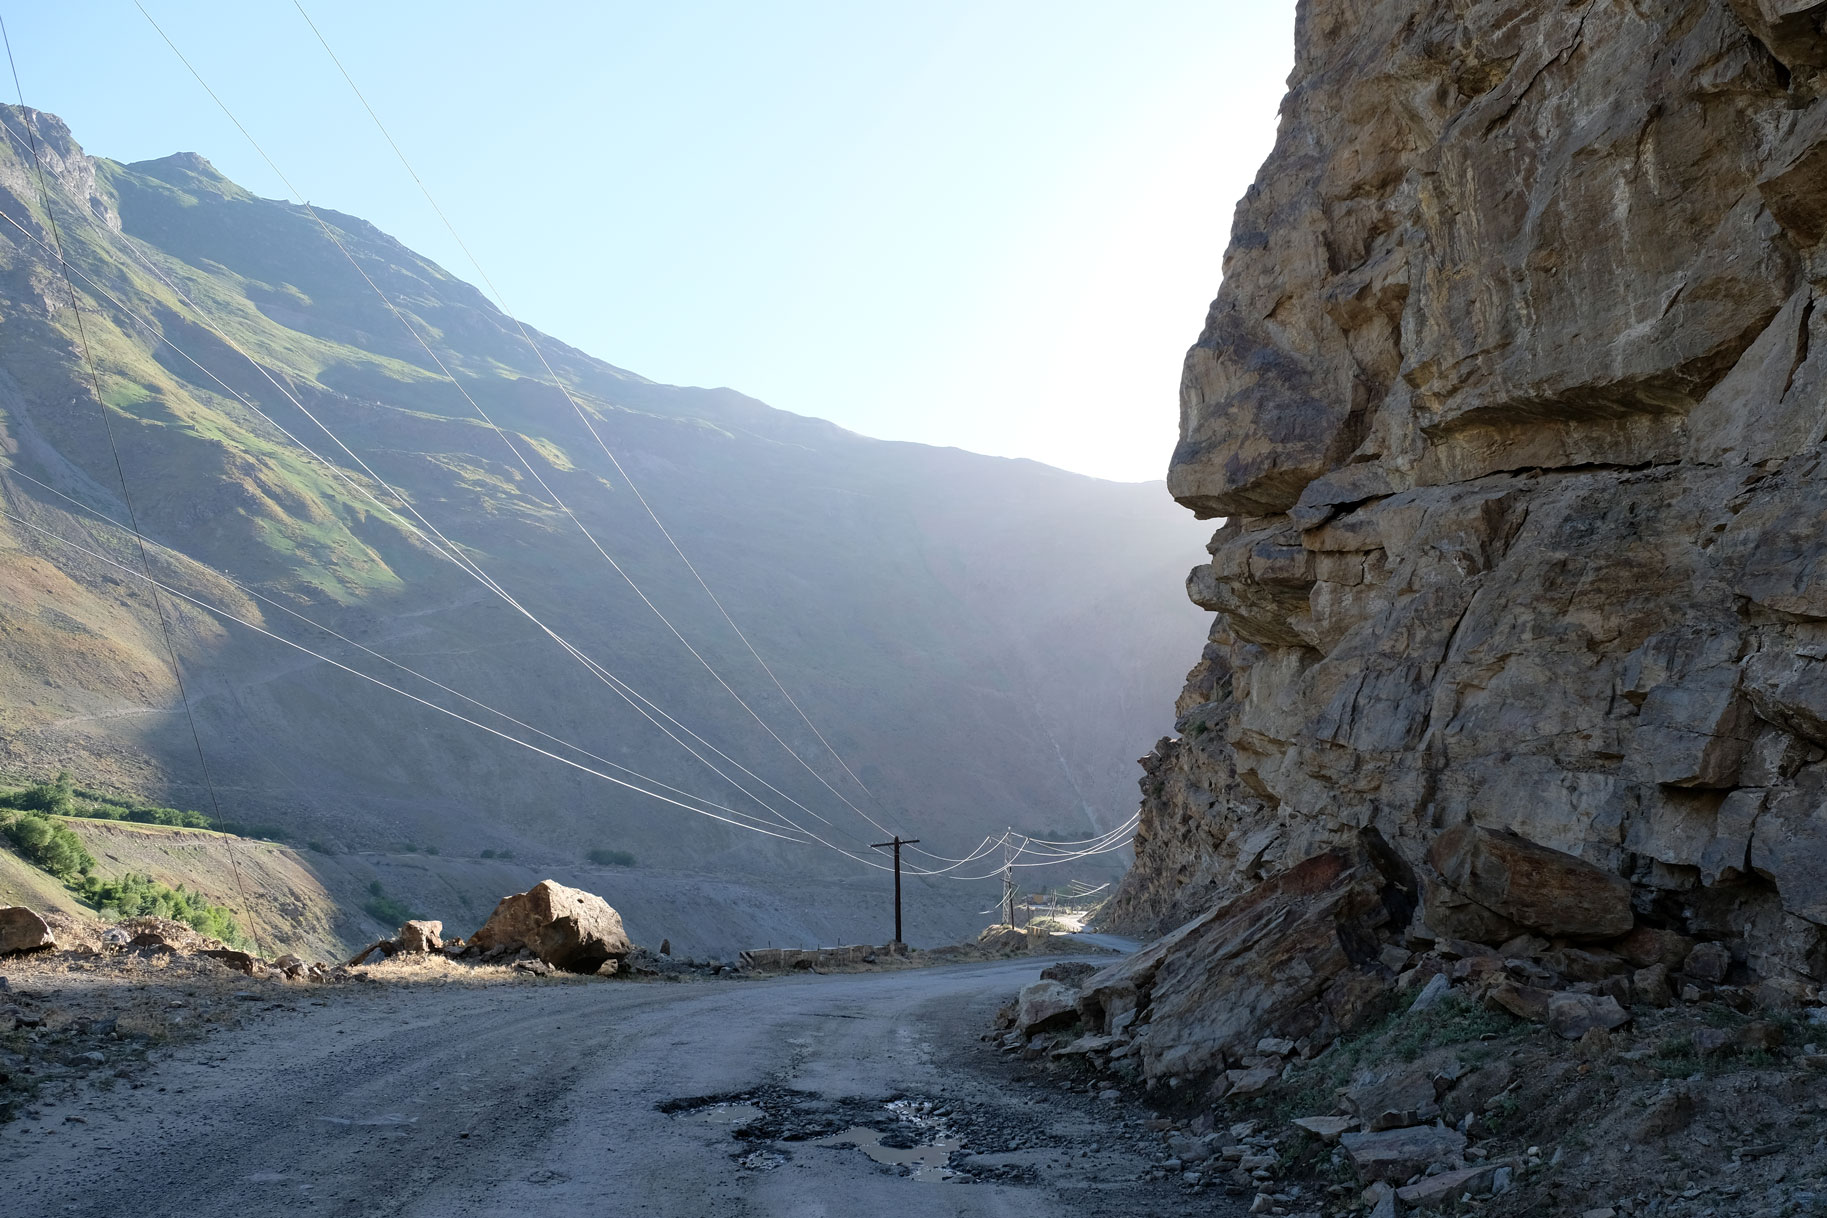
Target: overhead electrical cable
(1116,839)
(447,549)
(226,615)
(342,638)
(442,545)
(158,607)
(412,330)
(584,417)
(349,256)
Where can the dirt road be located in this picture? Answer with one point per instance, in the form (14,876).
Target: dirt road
(709,1100)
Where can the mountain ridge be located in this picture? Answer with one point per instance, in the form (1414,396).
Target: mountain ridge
(986,639)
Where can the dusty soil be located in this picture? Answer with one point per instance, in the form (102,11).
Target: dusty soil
(437,1088)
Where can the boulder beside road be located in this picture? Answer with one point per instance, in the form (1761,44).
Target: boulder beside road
(421,936)
(566,927)
(21,930)
(1045,1004)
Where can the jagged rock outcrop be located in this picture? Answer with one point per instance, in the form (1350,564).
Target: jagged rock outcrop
(1297,960)
(1513,401)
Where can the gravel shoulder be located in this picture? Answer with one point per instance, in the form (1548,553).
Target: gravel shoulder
(699,1098)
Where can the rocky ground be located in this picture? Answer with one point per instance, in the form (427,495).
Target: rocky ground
(1448,1104)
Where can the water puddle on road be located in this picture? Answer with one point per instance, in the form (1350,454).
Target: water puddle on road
(923,1162)
(733,1115)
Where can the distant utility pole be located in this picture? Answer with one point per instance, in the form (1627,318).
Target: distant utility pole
(1008,877)
(897,843)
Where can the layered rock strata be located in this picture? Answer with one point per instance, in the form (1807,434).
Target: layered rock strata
(1513,404)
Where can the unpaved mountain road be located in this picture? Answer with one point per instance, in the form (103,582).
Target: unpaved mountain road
(591,1099)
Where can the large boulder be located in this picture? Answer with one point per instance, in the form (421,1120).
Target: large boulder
(566,927)
(421,936)
(21,930)
(1528,884)
(1045,1005)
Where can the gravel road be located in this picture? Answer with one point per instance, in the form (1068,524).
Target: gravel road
(701,1100)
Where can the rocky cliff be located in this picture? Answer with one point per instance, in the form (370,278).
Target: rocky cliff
(1513,403)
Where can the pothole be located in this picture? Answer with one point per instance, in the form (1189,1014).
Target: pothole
(916,1137)
(734,1115)
(923,1162)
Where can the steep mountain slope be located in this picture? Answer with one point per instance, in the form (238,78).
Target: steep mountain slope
(985,641)
(1514,399)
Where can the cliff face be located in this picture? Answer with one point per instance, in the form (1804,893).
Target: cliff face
(1513,401)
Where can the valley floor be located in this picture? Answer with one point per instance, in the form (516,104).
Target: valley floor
(697,1100)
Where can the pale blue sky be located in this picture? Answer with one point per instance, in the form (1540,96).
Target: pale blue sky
(992,224)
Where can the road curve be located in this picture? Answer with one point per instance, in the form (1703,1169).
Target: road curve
(548,1100)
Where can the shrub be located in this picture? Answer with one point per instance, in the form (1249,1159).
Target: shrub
(54,798)
(488,854)
(134,896)
(388,911)
(60,797)
(611,858)
(47,844)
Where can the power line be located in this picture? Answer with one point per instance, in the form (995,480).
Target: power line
(447,549)
(158,607)
(330,234)
(442,546)
(453,553)
(278,638)
(583,417)
(410,671)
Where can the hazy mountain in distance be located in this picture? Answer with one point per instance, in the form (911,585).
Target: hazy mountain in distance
(986,642)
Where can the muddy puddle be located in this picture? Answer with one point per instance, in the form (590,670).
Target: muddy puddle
(917,1137)
(733,1115)
(926,1162)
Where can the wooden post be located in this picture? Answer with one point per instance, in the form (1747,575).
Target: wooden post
(897,843)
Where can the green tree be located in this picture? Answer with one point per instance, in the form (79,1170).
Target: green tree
(50,845)
(135,895)
(54,798)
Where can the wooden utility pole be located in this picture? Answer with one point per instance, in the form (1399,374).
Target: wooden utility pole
(897,843)
(1008,877)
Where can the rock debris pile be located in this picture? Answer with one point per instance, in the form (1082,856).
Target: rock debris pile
(1420,1048)
(546,928)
